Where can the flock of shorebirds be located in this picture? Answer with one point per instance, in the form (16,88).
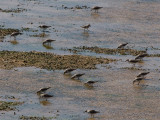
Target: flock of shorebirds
(41,93)
(48,41)
(138,58)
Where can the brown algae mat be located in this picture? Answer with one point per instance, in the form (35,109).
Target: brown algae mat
(34,118)
(18,10)
(7,31)
(49,61)
(7,106)
(106,50)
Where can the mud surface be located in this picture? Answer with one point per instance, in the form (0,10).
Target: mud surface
(26,64)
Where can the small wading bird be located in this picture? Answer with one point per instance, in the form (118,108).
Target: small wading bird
(45,96)
(122,45)
(77,76)
(142,74)
(96,8)
(69,70)
(92,112)
(140,56)
(48,41)
(42,90)
(132,60)
(86,27)
(44,26)
(14,34)
(138,80)
(90,82)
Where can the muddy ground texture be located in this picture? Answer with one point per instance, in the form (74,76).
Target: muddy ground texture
(49,61)
(113,94)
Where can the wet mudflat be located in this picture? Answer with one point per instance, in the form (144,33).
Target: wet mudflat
(26,65)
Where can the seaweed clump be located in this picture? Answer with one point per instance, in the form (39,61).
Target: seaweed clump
(7,31)
(7,106)
(49,61)
(18,10)
(106,50)
(34,118)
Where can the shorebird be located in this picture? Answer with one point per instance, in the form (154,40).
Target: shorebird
(122,45)
(86,27)
(44,26)
(45,96)
(69,70)
(140,56)
(132,60)
(138,80)
(142,74)
(96,8)
(92,112)
(43,90)
(90,82)
(77,75)
(48,41)
(14,34)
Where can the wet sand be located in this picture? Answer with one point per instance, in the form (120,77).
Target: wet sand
(114,95)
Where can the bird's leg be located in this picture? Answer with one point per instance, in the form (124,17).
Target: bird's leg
(138,82)
(134,81)
(92,115)
(134,64)
(14,37)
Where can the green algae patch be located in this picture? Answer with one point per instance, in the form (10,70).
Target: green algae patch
(76,7)
(39,35)
(49,61)
(106,50)
(132,68)
(34,118)
(7,31)
(28,29)
(7,106)
(18,10)
(154,55)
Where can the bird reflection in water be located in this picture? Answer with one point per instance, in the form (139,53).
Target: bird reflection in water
(14,34)
(47,46)
(95,15)
(89,87)
(85,34)
(14,42)
(44,102)
(47,43)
